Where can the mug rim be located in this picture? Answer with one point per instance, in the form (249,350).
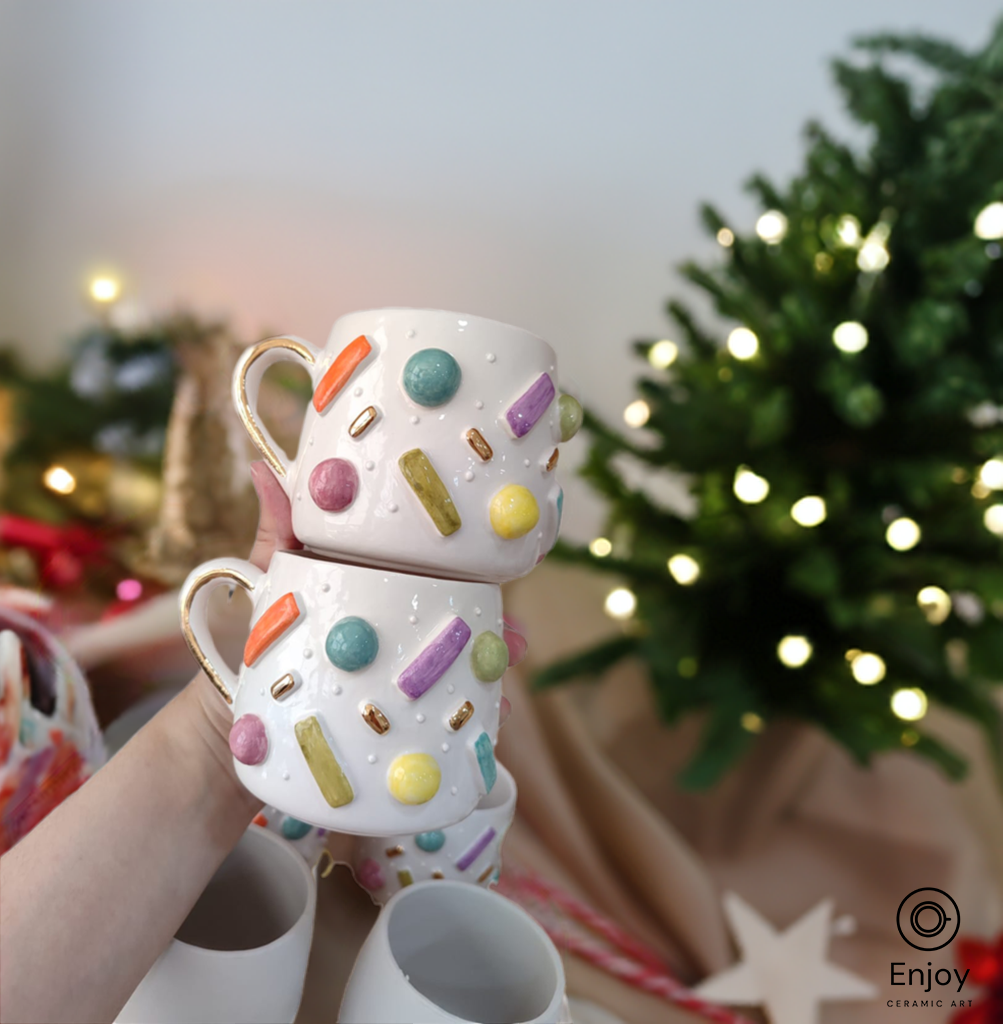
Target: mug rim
(306,872)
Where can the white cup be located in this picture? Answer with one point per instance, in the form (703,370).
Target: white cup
(241,954)
(367,701)
(430,444)
(450,952)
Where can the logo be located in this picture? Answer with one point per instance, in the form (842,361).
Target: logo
(928,919)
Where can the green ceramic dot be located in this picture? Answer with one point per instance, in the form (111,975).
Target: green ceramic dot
(430,841)
(431,377)
(570,411)
(489,657)
(293,828)
(352,644)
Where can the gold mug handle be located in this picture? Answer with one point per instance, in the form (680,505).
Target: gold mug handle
(247,376)
(195,621)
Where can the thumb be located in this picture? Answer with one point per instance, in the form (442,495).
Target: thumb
(275,522)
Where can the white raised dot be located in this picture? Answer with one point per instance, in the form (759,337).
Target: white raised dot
(525,462)
(357,392)
(453,790)
(413,619)
(307,653)
(445,747)
(325,587)
(262,691)
(310,441)
(285,776)
(370,464)
(393,506)
(478,404)
(539,536)
(469,475)
(409,333)
(491,357)
(477,611)
(497,704)
(415,419)
(371,759)
(420,717)
(299,496)
(450,688)
(337,690)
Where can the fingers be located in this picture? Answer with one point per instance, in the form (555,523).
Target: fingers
(517,644)
(504,711)
(275,523)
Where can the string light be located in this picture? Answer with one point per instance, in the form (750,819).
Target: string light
(60,480)
(993,519)
(794,651)
(850,336)
(867,669)
(637,413)
(600,547)
(848,230)
(726,237)
(104,289)
(935,604)
(910,703)
(751,722)
(772,227)
(808,511)
(750,487)
(989,222)
(663,354)
(902,534)
(743,343)
(684,570)
(620,603)
(991,474)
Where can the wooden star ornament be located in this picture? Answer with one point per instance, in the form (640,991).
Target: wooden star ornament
(784,972)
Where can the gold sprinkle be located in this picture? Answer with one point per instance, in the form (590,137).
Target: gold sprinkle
(363,422)
(438,874)
(485,873)
(282,686)
(375,719)
(461,715)
(552,461)
(476,440)
(327,773)
(430,491)
(405,878)
(394,851)
(327,859)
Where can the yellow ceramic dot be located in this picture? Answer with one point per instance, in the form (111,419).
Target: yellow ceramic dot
(514,512)
(414,778)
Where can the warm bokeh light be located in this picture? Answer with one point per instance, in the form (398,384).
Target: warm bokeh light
(993,519)
(772,227)
(935,604)
(637,413)
(129,590)
(743,343)
(873,257)
(823,262)
(750,487)
(794,651)
(684,570)
(60,480)
(989,222)
(991,474)
(104,289)
(600,547)
(902,534)
(663,354)
(751,722)
(909,703)
(726,237)
(808,511)
(848,230)
(850,336)
(620,603)
(867,668)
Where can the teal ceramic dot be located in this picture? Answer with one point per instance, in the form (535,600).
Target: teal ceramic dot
(431,377)
(430,841)
(352,644)
(293,828)
(486,760)
(489,657)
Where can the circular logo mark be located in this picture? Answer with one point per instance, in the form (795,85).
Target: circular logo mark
(928,919)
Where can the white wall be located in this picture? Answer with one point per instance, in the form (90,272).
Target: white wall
(284,162)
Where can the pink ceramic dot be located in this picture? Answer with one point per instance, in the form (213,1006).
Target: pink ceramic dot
(369,875)
(248,741)
(334,484)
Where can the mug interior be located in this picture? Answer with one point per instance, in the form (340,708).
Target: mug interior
(258,893)
(472,953)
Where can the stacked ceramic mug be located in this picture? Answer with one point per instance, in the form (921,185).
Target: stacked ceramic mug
(369,694)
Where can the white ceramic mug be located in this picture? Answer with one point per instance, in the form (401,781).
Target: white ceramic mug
(242,952)
(447,952)
(430,444)
(367,701)
(469,851)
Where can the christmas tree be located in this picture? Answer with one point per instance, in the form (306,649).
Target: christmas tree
(843,444)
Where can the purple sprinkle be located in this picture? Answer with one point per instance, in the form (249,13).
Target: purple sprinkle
(428,668)
(530,406)
(473,852)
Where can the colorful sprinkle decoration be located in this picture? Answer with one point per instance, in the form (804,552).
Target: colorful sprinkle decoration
(340,372)
(461,715)
(283,686)
(476,848)
(274,621)
(333,484)
(526,410)
(486,760)
(352,644)
(514,512)
(405,878)
(375,719)
(431,377)
(248,740)
(489,657)
(327,773)
(570,415)
(429,489)
(369,875)
(414,778)
(430,842)
(293,828)
(476,441)
(362,422)
(428,668)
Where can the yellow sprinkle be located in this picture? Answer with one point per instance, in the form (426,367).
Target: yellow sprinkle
(327,773)
(414,778)
(514,512)
(430,491)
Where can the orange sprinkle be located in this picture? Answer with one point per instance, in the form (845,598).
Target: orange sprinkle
(272,624)
(260,819)
(340,371)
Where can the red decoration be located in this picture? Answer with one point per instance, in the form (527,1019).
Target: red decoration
(984,961)
(62,551)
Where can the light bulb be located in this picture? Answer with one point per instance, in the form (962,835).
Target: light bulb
(850,336)
(991,474)
(749,487)
(620,603)
(771,227)
(902,534)
(794,651)
(808,511)
(909,703)
(848,230)
(935,604)
(60,480)
(726,237)
(600,547)
(104,289)
(993,519)
(989,222)
(684,570)
(868,669)
(663,354)
(743,343)
(637,413)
